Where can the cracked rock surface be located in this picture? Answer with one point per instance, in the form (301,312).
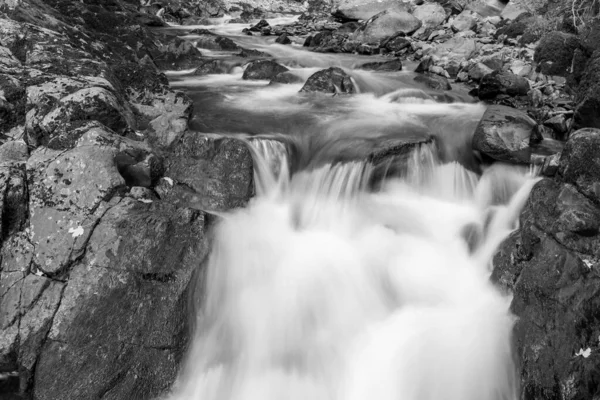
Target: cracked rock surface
(98,245)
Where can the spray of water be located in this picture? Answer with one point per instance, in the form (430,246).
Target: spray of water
(321,289)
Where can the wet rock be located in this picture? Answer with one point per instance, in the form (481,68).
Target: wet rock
(246,53)
(348,27)
(283,39)
(431,15)
(558,124)
(176,55)
(554,54)
(213,174)
(385,24)
(211,66)
(12,102)
(331,80)
(502,82)
(211,41)
(263,69)
(260,26)
(13,199)
(127,298)
(466,20)
(514,28)
(392,65)
(433,81)
(579,163)
(504,134)
(588,96)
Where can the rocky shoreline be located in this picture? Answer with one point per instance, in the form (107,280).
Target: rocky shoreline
(107,197)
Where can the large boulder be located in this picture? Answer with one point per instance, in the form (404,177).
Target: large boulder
(392,65)
(207,173)
(555,52)
(579,163)
(502,83)
(355,10)
(331,80)
(119,326)
(263,69)
(588,96)
(385,24)
(505,134)
(431,15)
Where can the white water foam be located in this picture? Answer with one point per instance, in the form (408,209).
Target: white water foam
(322,290)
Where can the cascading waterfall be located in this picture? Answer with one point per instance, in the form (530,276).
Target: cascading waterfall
(323,289)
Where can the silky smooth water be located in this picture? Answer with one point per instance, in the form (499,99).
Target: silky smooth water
(328,286)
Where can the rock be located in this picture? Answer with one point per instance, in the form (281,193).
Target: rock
(283,39)
(385,24)
(551,267)
(396,42)
(466,20)
(331,80)
(245,53)
(136,289)
(176,55)
(551,165)
(558,124)
(212,174)
(354,10)
(348,27)
(588,96)
(211,41)
(515,27)
(456,48)
(535,97)
(554,54)
(431,15)
(512,12)
(502,82)
(260,26)
(579,163)
(13,199)
(263,69)
(478,71)
(15,150)
(211,66)
(504,134)
(392,65)
(433,81)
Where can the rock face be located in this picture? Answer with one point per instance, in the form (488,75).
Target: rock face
(96,249)
(331,80)
(504,134)
(354,10)
(555,52)
(263,69)
(385,24)
(551,266)
(502,83)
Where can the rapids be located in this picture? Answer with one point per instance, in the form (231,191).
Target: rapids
(339,281)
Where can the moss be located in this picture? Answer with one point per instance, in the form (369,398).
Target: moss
(555,53)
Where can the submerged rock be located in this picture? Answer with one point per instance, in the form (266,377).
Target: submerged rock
(505,134)
(331,80)
(263,69)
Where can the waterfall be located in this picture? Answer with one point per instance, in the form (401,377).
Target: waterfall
(325,289)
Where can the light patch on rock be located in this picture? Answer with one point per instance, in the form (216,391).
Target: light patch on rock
(169,180)
(76,232)
(584,353)
(588,263)
(147,201)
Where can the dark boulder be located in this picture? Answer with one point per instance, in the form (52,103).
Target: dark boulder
(434,81)
(283,39)
(588,96)
(580,164)
(502,82)
(331,80)
(212,174)
(392,65)
(505,134)
(263,69)
(396,42)
(176,55)
(554,54)
(354,10)
(211,66)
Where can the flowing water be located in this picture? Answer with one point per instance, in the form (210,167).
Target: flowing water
(352,277)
